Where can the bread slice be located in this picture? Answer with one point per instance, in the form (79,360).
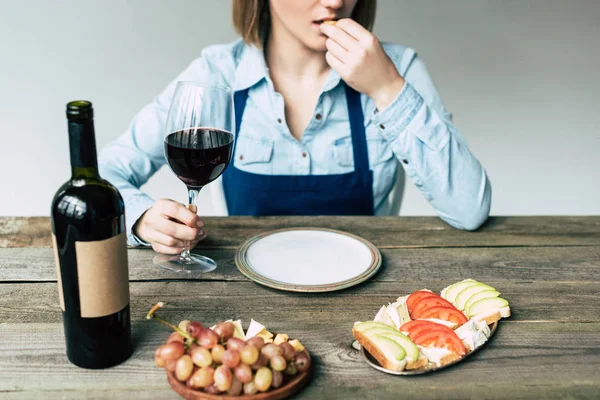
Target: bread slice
(415,364)
(493,315)
(439,356)
(383,360)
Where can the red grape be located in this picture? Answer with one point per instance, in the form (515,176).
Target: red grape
(223,378)
(243,373)
(170,365)
(302,362)
(202,378)
(277,379)
(261,362)
(159,362)
(194,328)
(288,351)
(184,368)
(257,342)
(291,369)
(207,338)
(263,379)
(271,350)
(217,353)
(236,387)
(212,389)
(175,337)
(171,351)
(250,388)
(201,357)
(231,358)
(249,354)
(224,330)
(235,344)
(278,363)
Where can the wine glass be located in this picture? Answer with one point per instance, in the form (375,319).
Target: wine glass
(198,147)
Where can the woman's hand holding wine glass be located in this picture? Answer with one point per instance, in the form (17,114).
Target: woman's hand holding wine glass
(167,225)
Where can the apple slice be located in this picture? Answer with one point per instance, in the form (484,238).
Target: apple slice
(410,348)
(467,292)
(390,347)
(480,296)
(486,305)
(451,291)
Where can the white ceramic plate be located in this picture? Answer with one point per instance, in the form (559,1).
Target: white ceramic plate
(308,259)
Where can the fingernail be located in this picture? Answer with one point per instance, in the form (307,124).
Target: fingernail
(200,233)
(199,224)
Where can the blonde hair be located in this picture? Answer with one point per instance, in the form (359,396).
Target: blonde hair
(252,18)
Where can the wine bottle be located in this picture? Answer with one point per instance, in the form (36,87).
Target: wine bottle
(90,249)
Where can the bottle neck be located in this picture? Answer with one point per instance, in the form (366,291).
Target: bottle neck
(82,143)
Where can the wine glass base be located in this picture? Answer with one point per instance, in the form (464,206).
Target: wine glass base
(176,263)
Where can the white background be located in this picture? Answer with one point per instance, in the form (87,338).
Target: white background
(520,77)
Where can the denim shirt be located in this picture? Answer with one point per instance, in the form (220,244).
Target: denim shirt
(414,131)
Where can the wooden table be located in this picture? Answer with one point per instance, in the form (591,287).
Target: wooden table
(547,267)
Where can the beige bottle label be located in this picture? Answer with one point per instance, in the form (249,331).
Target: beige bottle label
(103,275)
(61,298)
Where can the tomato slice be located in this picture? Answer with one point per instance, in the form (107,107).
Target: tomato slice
(428,302)
(442,339)
(451,314)
(423,329)
(414,298)
(410,325)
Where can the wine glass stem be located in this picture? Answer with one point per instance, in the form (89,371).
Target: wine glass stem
(192,196)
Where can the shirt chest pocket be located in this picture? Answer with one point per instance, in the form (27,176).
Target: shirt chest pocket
(254,154)
(378,149)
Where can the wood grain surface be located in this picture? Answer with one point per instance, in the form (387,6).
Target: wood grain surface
(547,267)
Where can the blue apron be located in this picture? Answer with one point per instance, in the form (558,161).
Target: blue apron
(341,194)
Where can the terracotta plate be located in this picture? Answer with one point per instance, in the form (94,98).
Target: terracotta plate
(293,386)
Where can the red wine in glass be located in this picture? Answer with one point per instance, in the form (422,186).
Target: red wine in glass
(198,156)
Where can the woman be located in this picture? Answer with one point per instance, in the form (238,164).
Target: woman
(327,111)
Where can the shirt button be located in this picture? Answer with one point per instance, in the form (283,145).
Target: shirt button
(241,157)
(382,126)
(405,161)
(279,120)
(304,155)
(318,117)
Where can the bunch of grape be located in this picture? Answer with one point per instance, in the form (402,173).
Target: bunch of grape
(214,361)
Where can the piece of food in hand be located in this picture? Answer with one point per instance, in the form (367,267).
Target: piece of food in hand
(369,335)
(331,22)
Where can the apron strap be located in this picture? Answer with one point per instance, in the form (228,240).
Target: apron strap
(240,98)
(357,129)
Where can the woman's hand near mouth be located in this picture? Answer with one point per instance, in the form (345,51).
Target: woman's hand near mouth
(357,55)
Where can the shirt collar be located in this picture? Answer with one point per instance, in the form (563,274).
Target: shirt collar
(251,69)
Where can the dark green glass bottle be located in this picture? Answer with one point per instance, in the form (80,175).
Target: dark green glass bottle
(90,246)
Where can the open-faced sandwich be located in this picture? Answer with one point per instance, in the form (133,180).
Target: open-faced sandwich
(427,330)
